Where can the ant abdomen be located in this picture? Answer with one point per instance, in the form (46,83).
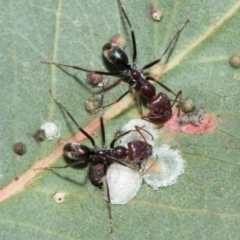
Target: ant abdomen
(114,54)
(96,173)
(76,151)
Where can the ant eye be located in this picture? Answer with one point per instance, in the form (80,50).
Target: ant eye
(51,129)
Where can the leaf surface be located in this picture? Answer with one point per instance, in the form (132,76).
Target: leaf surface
(203,204)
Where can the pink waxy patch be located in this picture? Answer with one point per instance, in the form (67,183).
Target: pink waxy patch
(208,124)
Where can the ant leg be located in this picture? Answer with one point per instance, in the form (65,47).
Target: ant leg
(109,205)
(71,164)
(121,163)
(103,132)
(169,45)
(66,166)
(104,180)
(83,69)
(179,95)
(68,113)
(132,32)
(161,84)
(140,103)
(144,170)
(109,87)
(122,96)
(148,119)
(101,119)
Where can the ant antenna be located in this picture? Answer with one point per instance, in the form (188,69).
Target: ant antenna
(69,114)
(142,128)
(132,32)
(129,131)
(81,69)
(167,48)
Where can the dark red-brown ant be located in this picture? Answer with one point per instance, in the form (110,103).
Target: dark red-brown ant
(100,158)
(159,104)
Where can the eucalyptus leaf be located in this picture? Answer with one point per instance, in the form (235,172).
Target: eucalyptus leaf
(204,202)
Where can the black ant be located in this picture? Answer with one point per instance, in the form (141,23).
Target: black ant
(159,105)
(100,158)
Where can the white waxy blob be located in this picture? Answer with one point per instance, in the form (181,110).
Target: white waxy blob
(59,197)
(123,183)
(135,135)
(164,167)
(156,15)
(51,129)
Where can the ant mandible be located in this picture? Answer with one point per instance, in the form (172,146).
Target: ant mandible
(159,104)
(100,158)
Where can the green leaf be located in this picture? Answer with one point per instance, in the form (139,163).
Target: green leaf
(203,204)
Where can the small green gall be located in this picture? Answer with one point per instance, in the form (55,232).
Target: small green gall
(234,61)
(94,79)
(187,105)
(92,104)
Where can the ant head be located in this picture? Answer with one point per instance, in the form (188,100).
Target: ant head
(77,151)
(160,106)
(116,55)
(139,151)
